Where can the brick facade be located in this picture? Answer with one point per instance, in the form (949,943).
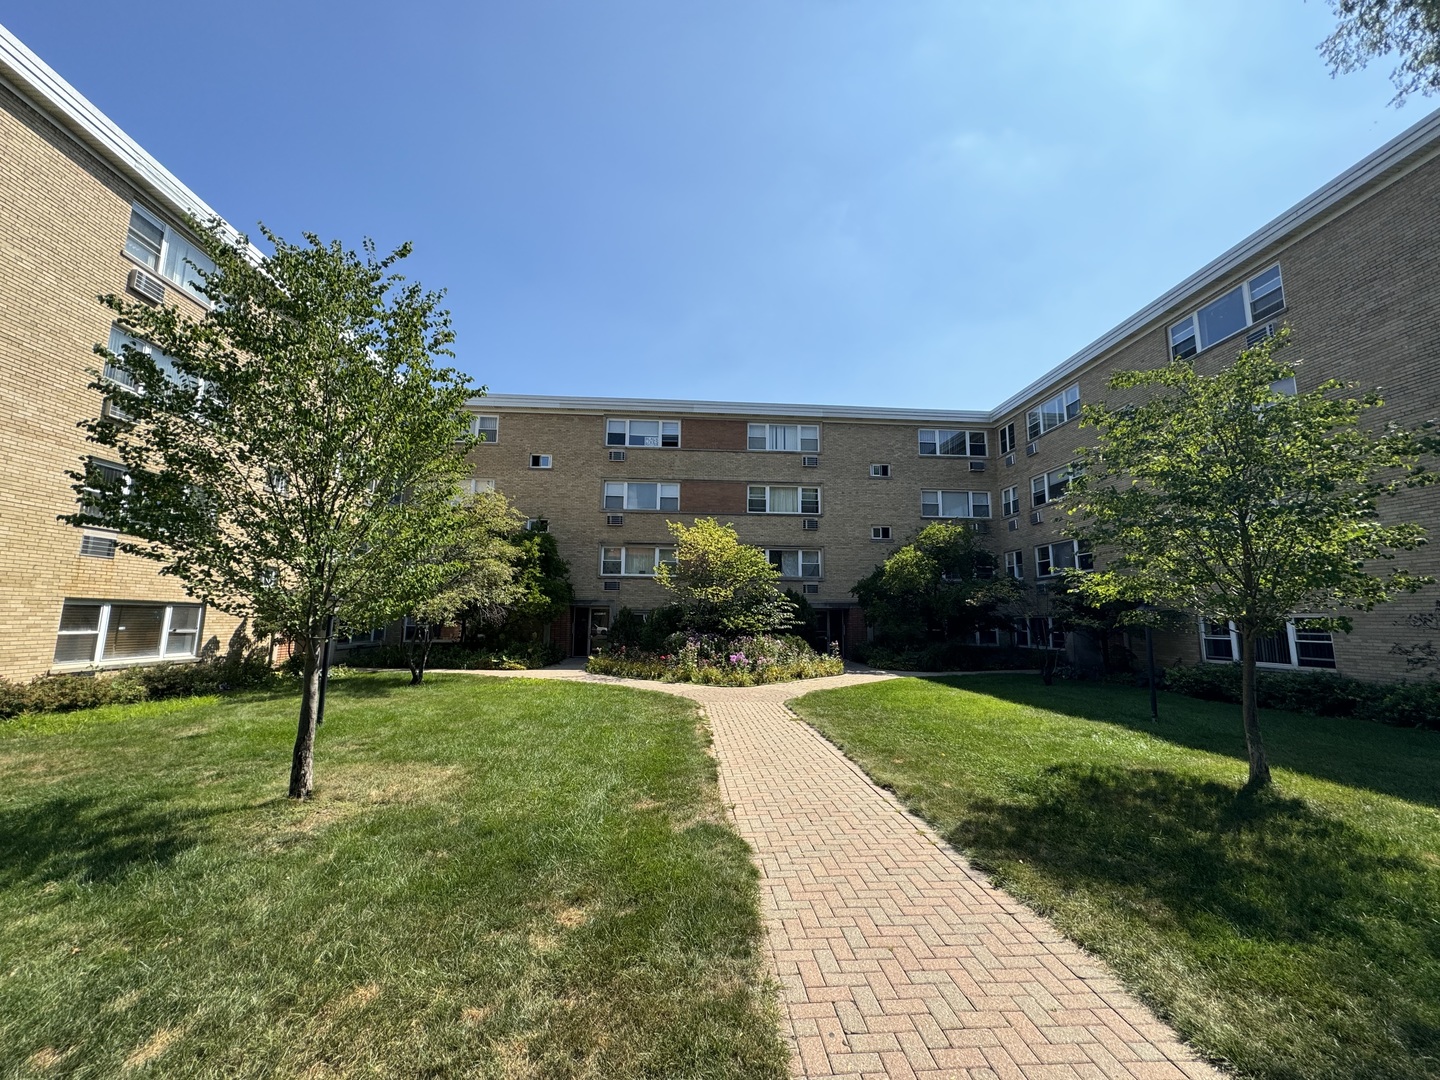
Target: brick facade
(63,221)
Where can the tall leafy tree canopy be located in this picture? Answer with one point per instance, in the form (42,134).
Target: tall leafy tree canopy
(1229,498)
(293,454)
(942,584)
(1408,29)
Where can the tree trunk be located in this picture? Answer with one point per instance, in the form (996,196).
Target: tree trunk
(302,762)
(1259,764)
(420,656)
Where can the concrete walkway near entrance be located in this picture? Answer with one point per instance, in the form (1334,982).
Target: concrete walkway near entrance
(895,957)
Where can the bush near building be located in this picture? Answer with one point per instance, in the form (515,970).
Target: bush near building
(718,660)
(1406,704)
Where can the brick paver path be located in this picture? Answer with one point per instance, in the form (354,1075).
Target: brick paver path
(895,957)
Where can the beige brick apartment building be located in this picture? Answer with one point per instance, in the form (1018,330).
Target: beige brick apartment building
(829,491)
(83,211)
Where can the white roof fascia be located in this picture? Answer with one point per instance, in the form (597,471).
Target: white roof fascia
(1405,145)
(34,80)
(655,406)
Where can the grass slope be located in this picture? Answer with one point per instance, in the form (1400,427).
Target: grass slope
(496,878)
(1295,934)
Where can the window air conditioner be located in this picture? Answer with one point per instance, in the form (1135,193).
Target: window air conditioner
(614,519)
(617,455)
(1014,524)
(810,524)
(810,461)
(1031,449)
(147,285)
(1036,517)
(612,586)
(1009,459)
(810,587)
(111,410)
(977,466)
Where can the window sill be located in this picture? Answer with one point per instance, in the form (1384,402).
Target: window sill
(117,665)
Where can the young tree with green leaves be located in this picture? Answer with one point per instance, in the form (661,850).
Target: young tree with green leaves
(543,590)
(481,556)
(721,585)
(1226,497)
(292,455)
(1410,29)
(942,585)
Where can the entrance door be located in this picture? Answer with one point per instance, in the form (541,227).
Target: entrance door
(591,626)
(835,621)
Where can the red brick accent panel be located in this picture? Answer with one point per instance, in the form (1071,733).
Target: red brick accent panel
(712,496)
(713,434)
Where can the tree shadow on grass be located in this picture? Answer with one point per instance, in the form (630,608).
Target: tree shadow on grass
(94,840)
(1401,762)
(1270,901)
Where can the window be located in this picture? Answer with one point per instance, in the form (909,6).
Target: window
(1299,645)
(794,438)
(988,636)
(485,428)
(115,372)
(622,495)
(166,251)
(642,433)
(1285,386)
(101,632)
(763,499)
(102,475)
(475,485)
(634,561)
(540,461)
(1007,439)
(955,504)
(1047,416)
(1051,486)
(351,638)
(880,471)
(1062,555)
(795,564)
(1014,565)
(944,442)
(879,532)
(1020,633)
(1037,633)
(1247,303)
(1010,501)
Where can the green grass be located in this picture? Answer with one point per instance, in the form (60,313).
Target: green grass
(1294,934)
(495,879)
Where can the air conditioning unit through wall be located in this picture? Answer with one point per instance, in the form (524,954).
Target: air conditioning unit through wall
(1031,449)
(614,519)
(147,285)
(1009,459)
(810,587)
(810,461)
(977,466)
(617,455)
(1036,517)
(1013,524)
(810,524)
(612,586)
(110,410)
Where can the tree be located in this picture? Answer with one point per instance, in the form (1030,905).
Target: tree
(480,555)
(1229,499)
(291,456)
(1371,28)
(542,588)
(722,585)
(942,585)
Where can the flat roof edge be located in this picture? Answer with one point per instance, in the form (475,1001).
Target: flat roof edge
(558,403)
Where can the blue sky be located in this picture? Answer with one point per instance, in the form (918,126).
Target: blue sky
(892,202)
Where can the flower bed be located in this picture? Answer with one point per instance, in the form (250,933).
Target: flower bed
(719,661)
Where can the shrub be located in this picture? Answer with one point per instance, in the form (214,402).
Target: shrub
(716,660)
(1319,693)
(66,693)
(948,656)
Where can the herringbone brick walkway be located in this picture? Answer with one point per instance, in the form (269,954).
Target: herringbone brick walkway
(895,957)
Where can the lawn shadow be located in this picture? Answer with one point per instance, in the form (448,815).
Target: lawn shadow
(90,839)
(1401,762)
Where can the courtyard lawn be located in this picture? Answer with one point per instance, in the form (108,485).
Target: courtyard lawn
(496,878)
(1295,934)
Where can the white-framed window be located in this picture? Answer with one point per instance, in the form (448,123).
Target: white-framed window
(948,442)
(791,438)
(155,245)
(1061,555)
(1010,501)
(474,485)
(1285,386)
(955,504)
(1049,415)
(541,461)
(119,632)
(1015,565)
(100,473)
(1298,645)
(879,471)
(1243,306)
(626,495)
(1050,486)
(116,375)
(623,432)
(879,532)
(795,564)
(988,636)
(778,499)
(1020,633)
(486,429)
(634,561)
(352,638)
(1007,438)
